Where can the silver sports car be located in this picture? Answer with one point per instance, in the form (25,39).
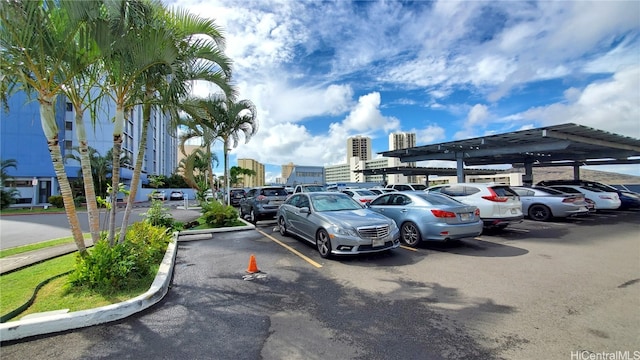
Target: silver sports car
(336,224)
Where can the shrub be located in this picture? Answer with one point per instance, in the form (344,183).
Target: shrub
(158,215)
(216,214)
(108,269)
(56,200)
(7,197)
(79,200)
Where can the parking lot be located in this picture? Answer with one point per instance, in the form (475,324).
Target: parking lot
(535,290)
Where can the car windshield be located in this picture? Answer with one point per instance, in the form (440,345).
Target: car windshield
(333,202)
(439,199)
(274,192)
(312,188)
(419,186)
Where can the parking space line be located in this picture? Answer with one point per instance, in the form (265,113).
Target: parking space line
(301,255)
(408,248)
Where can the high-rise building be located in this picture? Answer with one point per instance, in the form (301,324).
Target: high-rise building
(251,180)
(286,171)
(360,147)
(22,139)
(403,140)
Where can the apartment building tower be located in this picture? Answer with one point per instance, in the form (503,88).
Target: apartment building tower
(251,180)
(360,147)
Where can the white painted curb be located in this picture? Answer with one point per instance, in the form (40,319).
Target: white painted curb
(56,322)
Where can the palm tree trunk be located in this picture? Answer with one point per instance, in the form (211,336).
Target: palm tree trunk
(93,213)
(118,127)
(146,118)
(48,121)
(226,169)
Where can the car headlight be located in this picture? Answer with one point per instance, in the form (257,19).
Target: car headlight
(343,231)
(393,226)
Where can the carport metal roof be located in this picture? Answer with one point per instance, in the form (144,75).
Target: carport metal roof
(559,145)
(412,171)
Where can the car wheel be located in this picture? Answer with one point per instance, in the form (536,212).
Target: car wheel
(410,234)
(323,243)
(253,218)
(282,226)
(243,215)
(539,213)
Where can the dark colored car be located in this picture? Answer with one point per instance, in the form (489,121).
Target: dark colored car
(262,202)
(236,196)
(628,199)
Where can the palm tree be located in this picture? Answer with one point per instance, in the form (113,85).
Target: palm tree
(41,54)
(5,165)
(100,166)
(130,43)
(197,42)
(234,118)
(200,161)
(236,171)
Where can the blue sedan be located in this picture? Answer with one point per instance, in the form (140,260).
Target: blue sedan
(424,216)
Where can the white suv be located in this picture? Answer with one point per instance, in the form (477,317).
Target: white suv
(407,187)
(499,205)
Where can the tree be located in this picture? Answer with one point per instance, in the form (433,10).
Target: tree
(236,171)
(100,166)
(198,56)
(7,196)
(222,118)
(41,54)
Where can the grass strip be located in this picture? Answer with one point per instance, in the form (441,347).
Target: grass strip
(40,245)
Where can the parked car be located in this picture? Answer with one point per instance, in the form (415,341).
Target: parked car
(262,202)
(360,195)
(499,205)
(236,196)
(602,199)
(176,195)
(308,188)
(406,187)
(336,224)
(381,190)
(628,199)
(422,216)
(159,195)
(542,204)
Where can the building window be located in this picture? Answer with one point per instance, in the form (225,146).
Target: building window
(68,145)
(69,107)
(68,125)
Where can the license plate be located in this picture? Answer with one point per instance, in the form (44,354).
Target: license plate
(377,242)
(465,217)
(275,202)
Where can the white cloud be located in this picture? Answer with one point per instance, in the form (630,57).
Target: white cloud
(611,105)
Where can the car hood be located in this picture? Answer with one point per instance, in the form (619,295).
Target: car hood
(355,218)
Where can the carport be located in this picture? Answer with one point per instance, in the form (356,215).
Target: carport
(559,145)
(426,171)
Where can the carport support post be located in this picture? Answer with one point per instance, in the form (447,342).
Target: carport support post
(527,179)
(576,171)
(460,167)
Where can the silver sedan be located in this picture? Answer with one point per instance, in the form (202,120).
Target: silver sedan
(543,203)
(336,224)
(425,216)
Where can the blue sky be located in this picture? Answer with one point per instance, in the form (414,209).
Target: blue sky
(321,71)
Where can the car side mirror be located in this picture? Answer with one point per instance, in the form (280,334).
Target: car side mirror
(305,210)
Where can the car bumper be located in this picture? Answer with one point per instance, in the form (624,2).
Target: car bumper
(444,232)
(502,221)
(347,245)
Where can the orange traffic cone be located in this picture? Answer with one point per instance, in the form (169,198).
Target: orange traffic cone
(253,267)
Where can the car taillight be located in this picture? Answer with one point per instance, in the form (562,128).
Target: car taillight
(607,197)
(443,214)
(477,212)
(495,197)
(364,200)
(261,197)
(569,200)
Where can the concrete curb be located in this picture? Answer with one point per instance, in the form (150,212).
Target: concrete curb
(61,320)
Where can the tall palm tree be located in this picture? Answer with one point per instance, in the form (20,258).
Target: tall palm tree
(41,54)
(234,118)
(197,41)
(100,166)
(196,166)
(130,43)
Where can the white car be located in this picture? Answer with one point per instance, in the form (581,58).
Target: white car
(362,196)
(499,205)
(603,200)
